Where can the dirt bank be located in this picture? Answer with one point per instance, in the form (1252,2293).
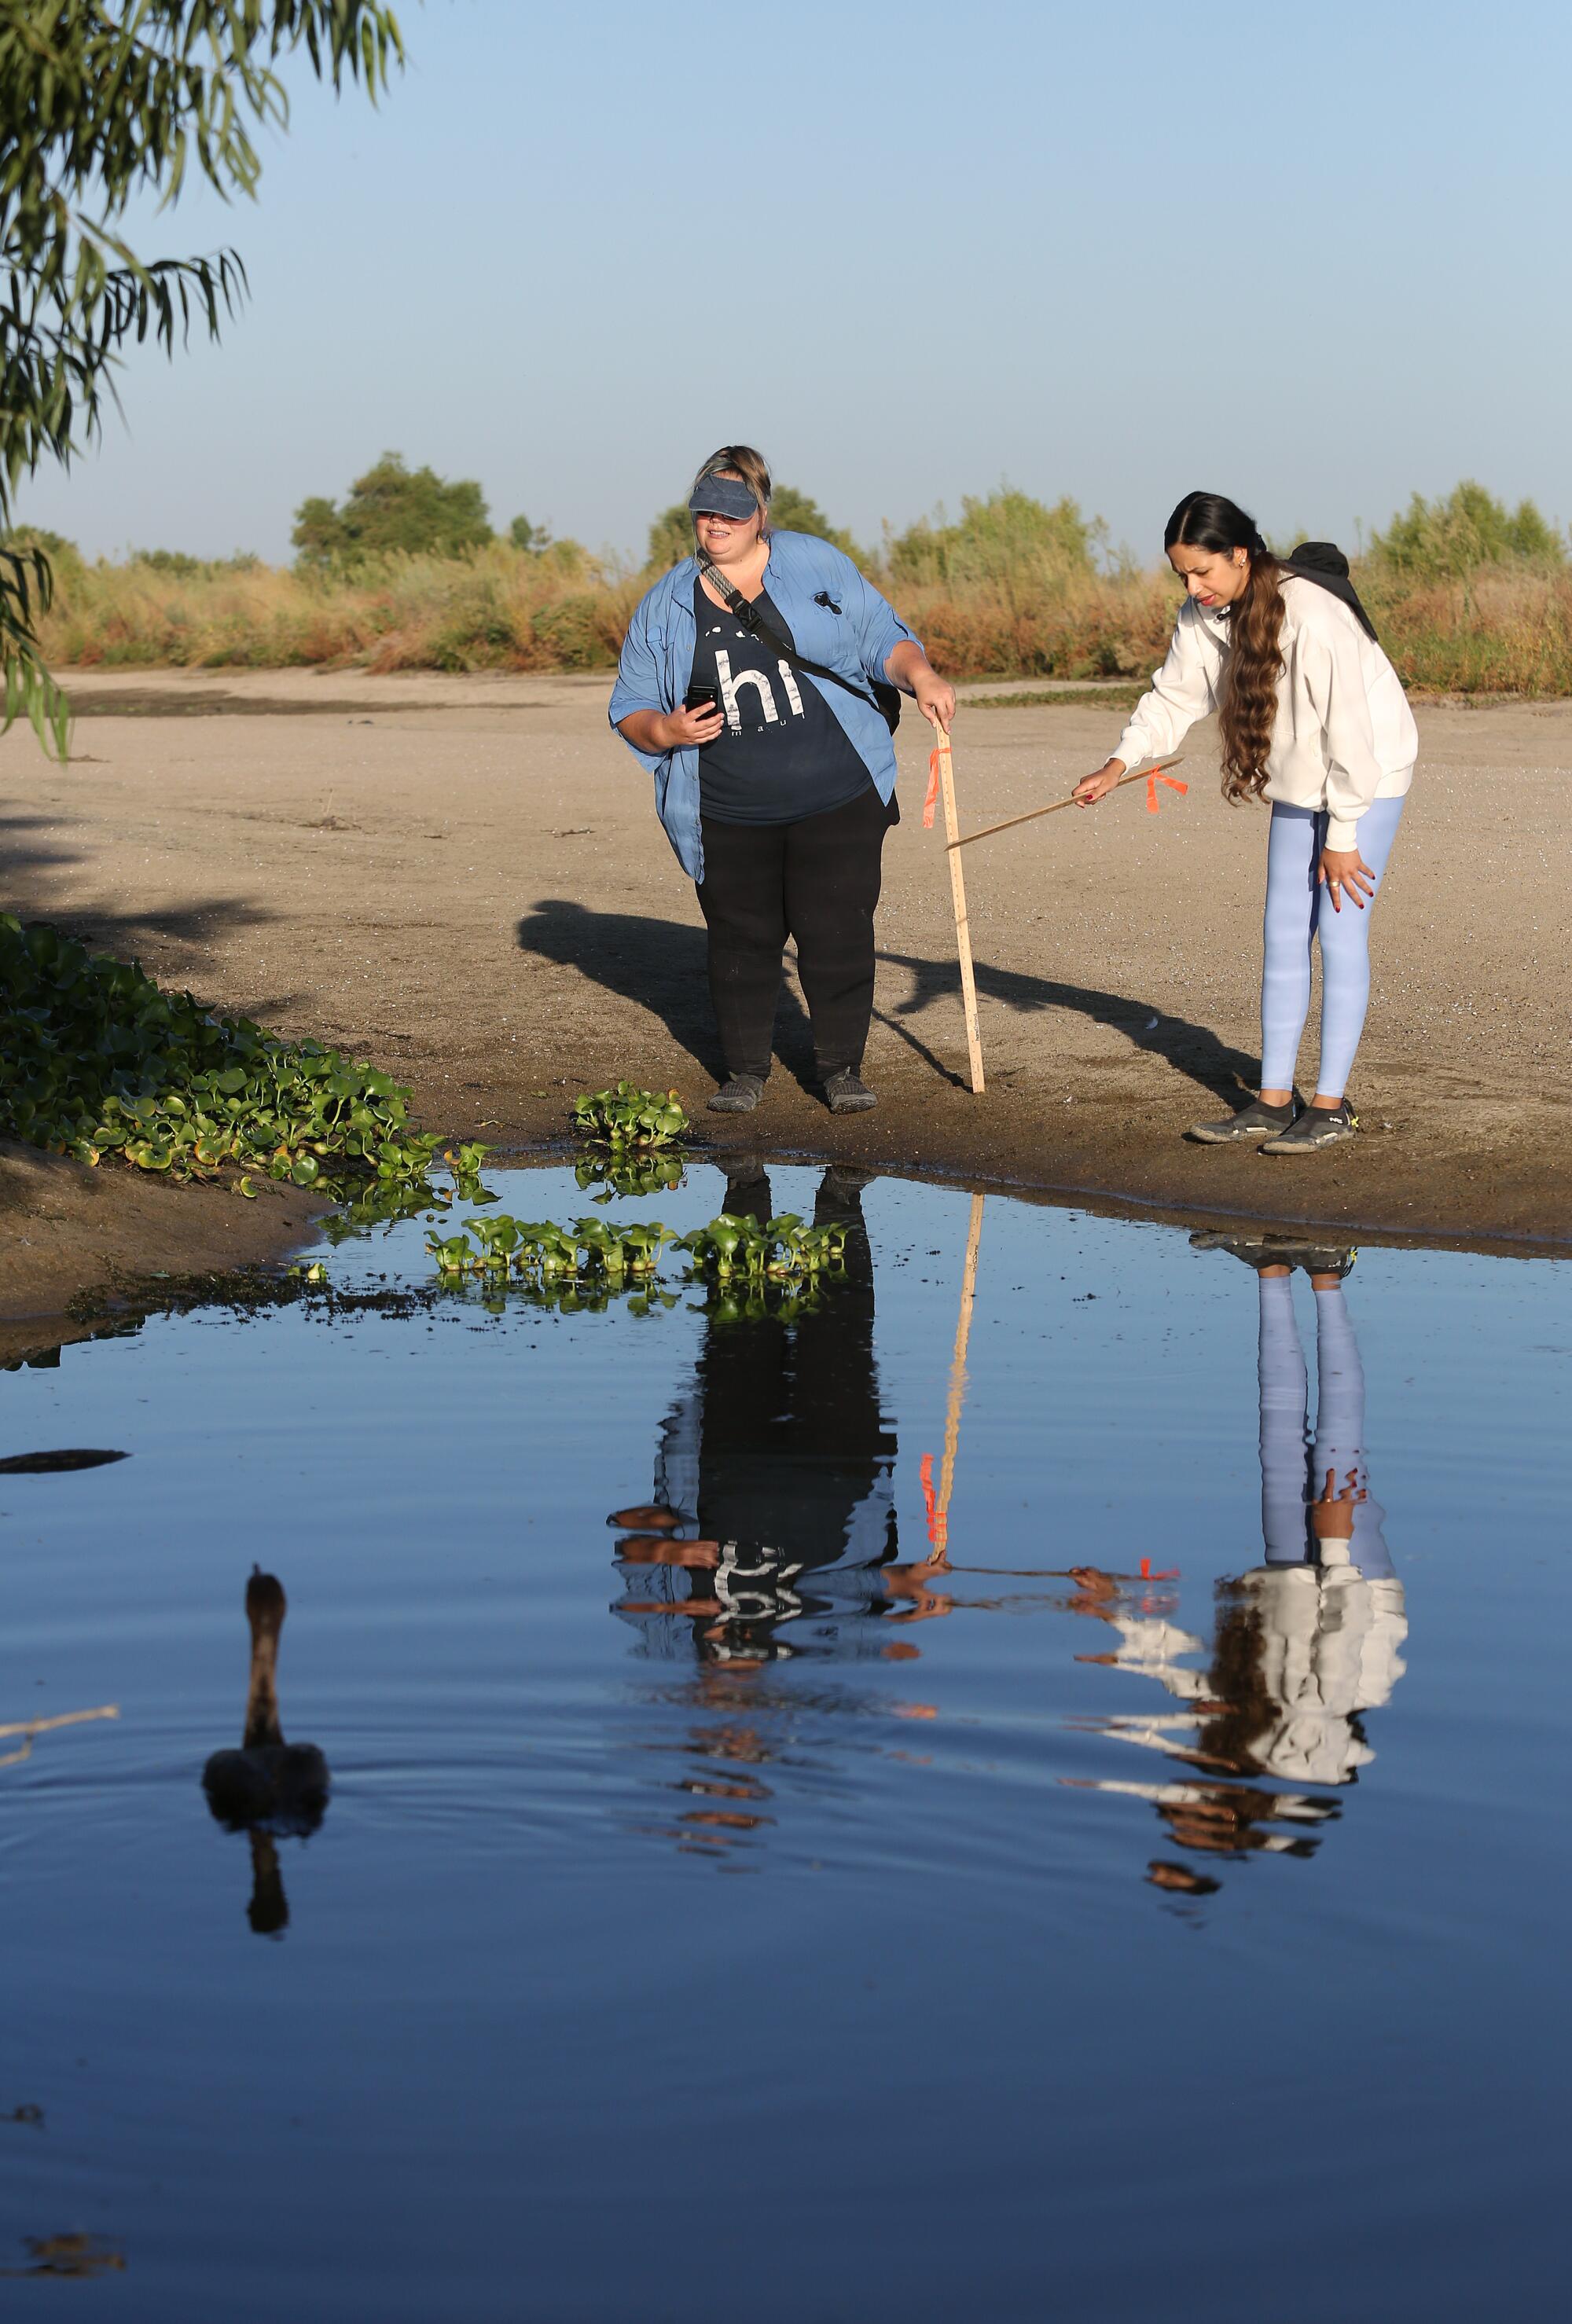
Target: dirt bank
(65,1229)
(463,878)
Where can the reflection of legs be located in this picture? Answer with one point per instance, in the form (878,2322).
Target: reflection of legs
(742,898)
(1346,952)
(1340,1428)
(833,872)
(747,1193)
(1292,848)
(1284,1397)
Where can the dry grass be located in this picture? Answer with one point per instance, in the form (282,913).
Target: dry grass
(499,608)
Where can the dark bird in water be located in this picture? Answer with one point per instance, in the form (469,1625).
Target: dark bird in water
(283,1785)
(268,1786)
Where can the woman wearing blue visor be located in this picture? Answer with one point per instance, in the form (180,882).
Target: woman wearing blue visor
(757,684)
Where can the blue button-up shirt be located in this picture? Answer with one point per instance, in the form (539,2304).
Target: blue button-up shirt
(855,633)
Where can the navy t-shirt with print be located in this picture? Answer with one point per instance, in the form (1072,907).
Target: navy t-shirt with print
(782,753)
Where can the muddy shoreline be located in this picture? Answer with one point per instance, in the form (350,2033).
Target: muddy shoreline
(484,904)
(67,1231)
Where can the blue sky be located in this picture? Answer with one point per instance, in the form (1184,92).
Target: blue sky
(1312,255)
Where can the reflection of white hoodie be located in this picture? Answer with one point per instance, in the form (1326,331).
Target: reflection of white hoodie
(1329,1641)
(1330,1611)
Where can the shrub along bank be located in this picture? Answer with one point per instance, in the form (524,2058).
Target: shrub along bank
(1469,597)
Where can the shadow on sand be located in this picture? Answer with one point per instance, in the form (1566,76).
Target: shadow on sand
(660,965)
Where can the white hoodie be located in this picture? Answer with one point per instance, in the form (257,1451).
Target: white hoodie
(1344,733)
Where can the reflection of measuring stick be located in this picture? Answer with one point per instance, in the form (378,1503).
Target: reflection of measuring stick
(1151,776)
(941,772)
(1066,1572)
(28,1728)
(938,1503)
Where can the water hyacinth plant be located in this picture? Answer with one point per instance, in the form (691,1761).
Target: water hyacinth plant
(102,1064)
(782,1250)
(750,1270)
(626,1117)
(539,1251)
(631,1172)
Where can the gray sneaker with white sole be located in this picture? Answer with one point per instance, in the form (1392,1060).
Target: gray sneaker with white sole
(1254,1120)
(1318,1125)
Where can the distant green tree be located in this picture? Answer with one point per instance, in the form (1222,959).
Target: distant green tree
(102,103)
(182,567)
(534,538)
(672,534)
(1441,538)
(1005,537)
(393,508)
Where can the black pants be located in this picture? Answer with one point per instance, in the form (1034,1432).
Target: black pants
(817,881)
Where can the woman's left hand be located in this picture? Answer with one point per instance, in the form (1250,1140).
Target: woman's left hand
(934,695)
(1345,873)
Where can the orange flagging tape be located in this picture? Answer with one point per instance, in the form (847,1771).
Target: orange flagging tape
(1171,782)
(931,801)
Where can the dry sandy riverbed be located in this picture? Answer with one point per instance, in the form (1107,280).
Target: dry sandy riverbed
(463,878)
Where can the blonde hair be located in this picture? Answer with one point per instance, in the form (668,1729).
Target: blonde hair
(741,460)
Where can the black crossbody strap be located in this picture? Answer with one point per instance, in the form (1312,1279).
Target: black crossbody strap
(753,621)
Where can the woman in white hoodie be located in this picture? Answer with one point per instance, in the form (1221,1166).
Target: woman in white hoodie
(1313,718)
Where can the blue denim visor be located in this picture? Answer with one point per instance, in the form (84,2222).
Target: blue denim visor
(722,496)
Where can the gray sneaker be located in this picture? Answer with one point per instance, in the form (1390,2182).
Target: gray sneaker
(847,1092)
(1254,1120)
(1319,1125)
(740,1094)
(1259,1251)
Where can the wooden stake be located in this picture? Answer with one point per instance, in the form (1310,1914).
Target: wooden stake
(1159,766)
(958,1385)
(947,783)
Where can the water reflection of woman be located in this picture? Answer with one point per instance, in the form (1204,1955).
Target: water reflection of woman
(778,1463)
(1307,1642)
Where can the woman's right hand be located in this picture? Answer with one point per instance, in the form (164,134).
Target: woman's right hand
(1092,787)
(690,730)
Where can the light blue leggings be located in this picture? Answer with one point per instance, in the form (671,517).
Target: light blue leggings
(1296,911)
(1293,1467)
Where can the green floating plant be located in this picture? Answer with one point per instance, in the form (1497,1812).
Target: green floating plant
(750,1271)
(537,1251)
(781,1250)
(626,1116)
(626,1173)
(102,1064)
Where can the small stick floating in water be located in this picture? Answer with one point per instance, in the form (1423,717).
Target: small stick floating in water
(29,1727)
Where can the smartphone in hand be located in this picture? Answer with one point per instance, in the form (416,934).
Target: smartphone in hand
(704,694)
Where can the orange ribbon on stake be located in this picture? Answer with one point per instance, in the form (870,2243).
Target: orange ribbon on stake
(931,801)
(1168,782)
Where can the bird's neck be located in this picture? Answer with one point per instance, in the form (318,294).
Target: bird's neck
(262,1724)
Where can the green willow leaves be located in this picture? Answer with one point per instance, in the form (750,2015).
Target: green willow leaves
(101,104)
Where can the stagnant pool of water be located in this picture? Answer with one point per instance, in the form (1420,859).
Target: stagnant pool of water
(1152,1904)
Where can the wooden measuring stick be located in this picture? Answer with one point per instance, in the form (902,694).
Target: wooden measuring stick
(947,783)
(1159,766)
(957,1384)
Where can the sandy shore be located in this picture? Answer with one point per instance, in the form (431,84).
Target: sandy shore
(463,878)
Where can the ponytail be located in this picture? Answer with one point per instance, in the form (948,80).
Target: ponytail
(1248,712)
